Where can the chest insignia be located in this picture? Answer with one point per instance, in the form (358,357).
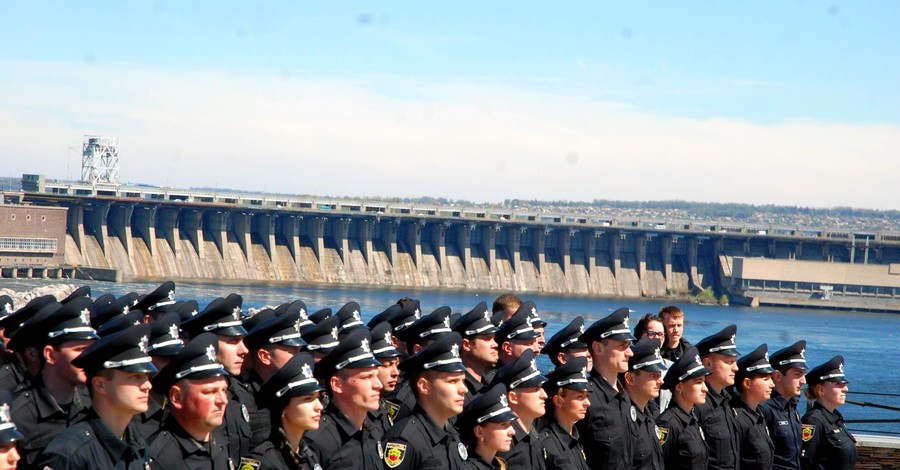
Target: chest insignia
(463,452)
(663,434)
(380,451)
(245,413)
(633,414)
(248,464)
(393,454)
(782,423)
(809,431)
(392,410)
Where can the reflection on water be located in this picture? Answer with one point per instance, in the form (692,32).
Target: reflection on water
(868,341)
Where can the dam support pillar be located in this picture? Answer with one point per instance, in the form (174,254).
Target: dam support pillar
(465,248)
(340,229)
(489,242)
(747,247)
(364,232)
(563,244)
(590,255)
(640,248)
(241,223)
(167,225)
(388,229)
(315,229)
(438,241)
(192,227)
(615,241)
(513,241)
(265,229)
(75,222)
(693,246)
(289,228)
(95,217)
(217,222)
(667,260)
(145,223)
(798,251)
(413,237)
(538,239)
(772,248)
(120,219)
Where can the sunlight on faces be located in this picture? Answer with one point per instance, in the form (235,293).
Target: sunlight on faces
(446,390)
(303,412)
(496,437)
(360,387)
(200,401)
(674,328)
(790,383)
(691,391)
(758,387)
(571,405)
(128,392)
(723,368)
(831,394)
(231,353)
(9,456)
(518,346)
(482,348)
(569,354)
(277,355)
(528,402)
(643,385)
(388,373)
(656,330)
(60,358)
(612,354)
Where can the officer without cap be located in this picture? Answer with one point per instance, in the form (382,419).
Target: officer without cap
(243,428)
(424,439)
(56,397)
(346,438)
(826,442)
(753,384)
(567,386)
(642,382)
(526,398)
(117,369)
(719,355)
(780,410)
(605,432)
(680,435)
(478,348)
(196,387)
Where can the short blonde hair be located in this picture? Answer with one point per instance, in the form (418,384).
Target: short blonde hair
(670,311)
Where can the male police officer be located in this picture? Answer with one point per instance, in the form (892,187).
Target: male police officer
(478,349)
(605,432)
(526,398)
(780,410)
(515,336)
(642,382)
(117,368)
(564,345)
(719,355)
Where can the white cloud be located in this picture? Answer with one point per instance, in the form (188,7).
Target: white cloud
(395,136)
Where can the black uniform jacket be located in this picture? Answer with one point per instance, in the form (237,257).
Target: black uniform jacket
(754,444)
(276,454)
(400,404)
(417,442)
(562,451)
(605,433)
(473,387)
(40,418)
(90,445)
(672,354)
(172,448)
(12,373)
(682,440)
(647,453)
(339,444)
(826,442)
(237,431)
(476,462)
(525,451)
(717,420)
(783,422)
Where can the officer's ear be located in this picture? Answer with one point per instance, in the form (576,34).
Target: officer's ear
(423,385)
(506,347)
(597,348)
(336,384)
(264,356)
(707,361)
(49,353)
(512,397)
(746,382)
(466,345)
(629,378)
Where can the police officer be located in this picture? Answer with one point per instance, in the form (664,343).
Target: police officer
(826,442)
(346,438)
(165,342)
(526,398)
(753,383)
(478,348)
(9,435)
(162,296)
(485,426)
(564,345)
(56,397)
(423,439)
(18,369)
(320,337)
(244,427)
(719,355)
(516,335)
(567,386)
(388,373)
(605,433)
(116,367)
(293,395)
(780,410)
(196,388)
(680,435)
(642,382)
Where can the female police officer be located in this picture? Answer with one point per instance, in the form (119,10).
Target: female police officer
(826,442)
(485,426)
(682,441)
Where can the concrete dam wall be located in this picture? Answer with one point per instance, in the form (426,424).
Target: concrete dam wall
(166,240)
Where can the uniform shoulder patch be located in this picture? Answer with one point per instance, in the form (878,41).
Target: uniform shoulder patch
(394,453)
(248,464)
(663,435)
(809,430)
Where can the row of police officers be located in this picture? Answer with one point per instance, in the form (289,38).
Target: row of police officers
(145,381)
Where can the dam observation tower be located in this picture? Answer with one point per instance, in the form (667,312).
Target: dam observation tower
(100,160)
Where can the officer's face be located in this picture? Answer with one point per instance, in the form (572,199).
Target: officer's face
(9,456)
(518,346)
(790,382)
(279,355)
(201,401)
(833,394)
(569,354)
(643,385)
(541,341)
(483,348)
(446,390)
(358,388)
(495,436)
(723,368)
(674,329)
(571,404)
(61,360)
(758,387)
(231,353)
(613,354)
(528,402)
(303,412)
(127,392)
(388,374)
(691,391)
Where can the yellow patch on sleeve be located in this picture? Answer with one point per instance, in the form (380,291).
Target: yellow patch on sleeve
(663,435)
(809,430)
(248,464)
(394,453)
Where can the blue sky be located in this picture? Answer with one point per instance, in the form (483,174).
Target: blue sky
(762,102)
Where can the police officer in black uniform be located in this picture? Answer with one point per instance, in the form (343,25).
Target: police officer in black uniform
(680,435)
(605,432)
(424,440)
(719,355)
(559,438)
(642,381)
(826,442)
(780,410)
(16,371)
(196,386)
(117,368)
(485,426)
(321,337)
(564,345)
(346,438)
(478,349)
(753,384)
(388,373)
(527,397)
(9,435)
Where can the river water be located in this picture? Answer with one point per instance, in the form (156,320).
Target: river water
(868,341)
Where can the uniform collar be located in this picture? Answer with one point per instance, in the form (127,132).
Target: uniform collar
(603,386)
(780,401)
(831,416)
(474,385)
(683,416)
(189,445)
(435,432)
(126,449)
(343,423)
(47,405)
(568,440)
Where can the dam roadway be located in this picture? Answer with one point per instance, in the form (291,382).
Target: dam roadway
(405,245)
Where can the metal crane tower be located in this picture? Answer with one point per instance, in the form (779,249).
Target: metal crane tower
(100,160)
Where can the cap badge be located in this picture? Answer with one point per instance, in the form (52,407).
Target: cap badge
(194,312)
(656,354)
(364,344)
(534,365)
(454,350)
(697,359)
(767,356)
(534,312)
(125,310)
(487,315)
(447,322)
(171,295)
(803,353)
(4,413)
(732,339)
(584,372)
(211,353)
(86,317)
(581,328)
(143,343)
(841,368)
(303,315)
(306,370)
(417,313)
(8,307)
(334,332)
(503,401)
(297,324)
(236,313)
(356,315)
(173,331)
(625,322)
(388,338)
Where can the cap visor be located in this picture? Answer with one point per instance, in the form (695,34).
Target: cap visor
(147,367)
(504,417)
(530,334)
(452,367)
(578,386)
(231,331)
(365,363)
(620,337)
(535,381)
(388,354)
(655,368)
(205,374)
(11,435)
(167,351)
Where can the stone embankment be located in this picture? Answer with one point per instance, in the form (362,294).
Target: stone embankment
(20,298)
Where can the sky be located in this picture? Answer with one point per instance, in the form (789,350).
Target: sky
(770,102)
